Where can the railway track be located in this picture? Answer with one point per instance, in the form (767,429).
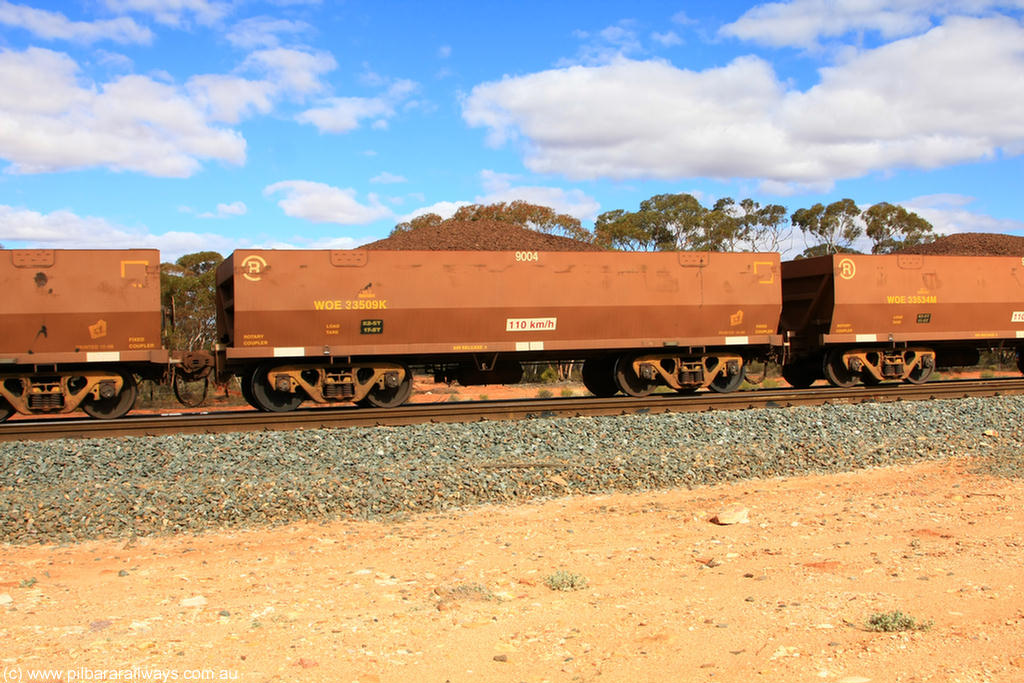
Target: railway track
(470,411)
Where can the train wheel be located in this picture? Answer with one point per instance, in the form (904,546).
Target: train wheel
(836,371)
(389,397)
(627,379)
(599,377)
(919,375)
(267,398)
(115,406)
(5,409)
(723,384)
(1020,360)
(245,384)
(800,375)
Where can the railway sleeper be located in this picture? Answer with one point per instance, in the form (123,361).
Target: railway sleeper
(100,394)
(284,387)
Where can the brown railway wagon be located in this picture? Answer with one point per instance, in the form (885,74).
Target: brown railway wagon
(852,317)
(346,325)
(74,326)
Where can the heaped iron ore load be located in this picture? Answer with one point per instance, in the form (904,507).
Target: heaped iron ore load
(347,325)
(479,235)
(75,327)
(869,318)
(971,244)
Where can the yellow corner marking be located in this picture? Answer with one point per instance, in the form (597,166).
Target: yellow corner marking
(771,272)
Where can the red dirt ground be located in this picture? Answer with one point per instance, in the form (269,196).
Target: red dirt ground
(463,596)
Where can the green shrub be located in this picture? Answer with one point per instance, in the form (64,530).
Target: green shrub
(890,622)
(549,376)
(565,581)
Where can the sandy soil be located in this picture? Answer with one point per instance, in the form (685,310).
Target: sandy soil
(670,595)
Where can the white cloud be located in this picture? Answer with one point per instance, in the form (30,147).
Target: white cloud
(131,123)
(292,71)
(950,213)
(322,203)
(952,95)
(173,12)
(802,23)
(344,114)
(232,209)
(284,72)
(667,39)
(444,52)
(56,26)
(442,209)
(388,178)
(231,98)
(139,123)
(683,19)
(499,187)
(608,44)
(263,31)
(66,230)
(225,210)
(113,60)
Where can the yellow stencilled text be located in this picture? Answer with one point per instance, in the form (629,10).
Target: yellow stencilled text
(350,304)
(254,340)
(140,343)
(911,299)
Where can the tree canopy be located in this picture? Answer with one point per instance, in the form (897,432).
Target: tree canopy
(834,228)
(892,228)
(187,289)
(680,222)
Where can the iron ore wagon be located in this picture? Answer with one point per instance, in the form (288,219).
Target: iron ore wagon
(333,326)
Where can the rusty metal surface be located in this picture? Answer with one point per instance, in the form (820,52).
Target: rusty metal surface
(856,299)
(325,418)
(71,306)
(353,303)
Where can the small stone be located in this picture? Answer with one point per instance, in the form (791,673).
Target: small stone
(224,613)
(501,658)
(733,514)
(5,599)
(306,663)
(123,572)
(196,601)
(100,624)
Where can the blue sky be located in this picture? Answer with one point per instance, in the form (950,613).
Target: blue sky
(208,124)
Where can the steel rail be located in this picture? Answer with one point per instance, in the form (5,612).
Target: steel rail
(470,411)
